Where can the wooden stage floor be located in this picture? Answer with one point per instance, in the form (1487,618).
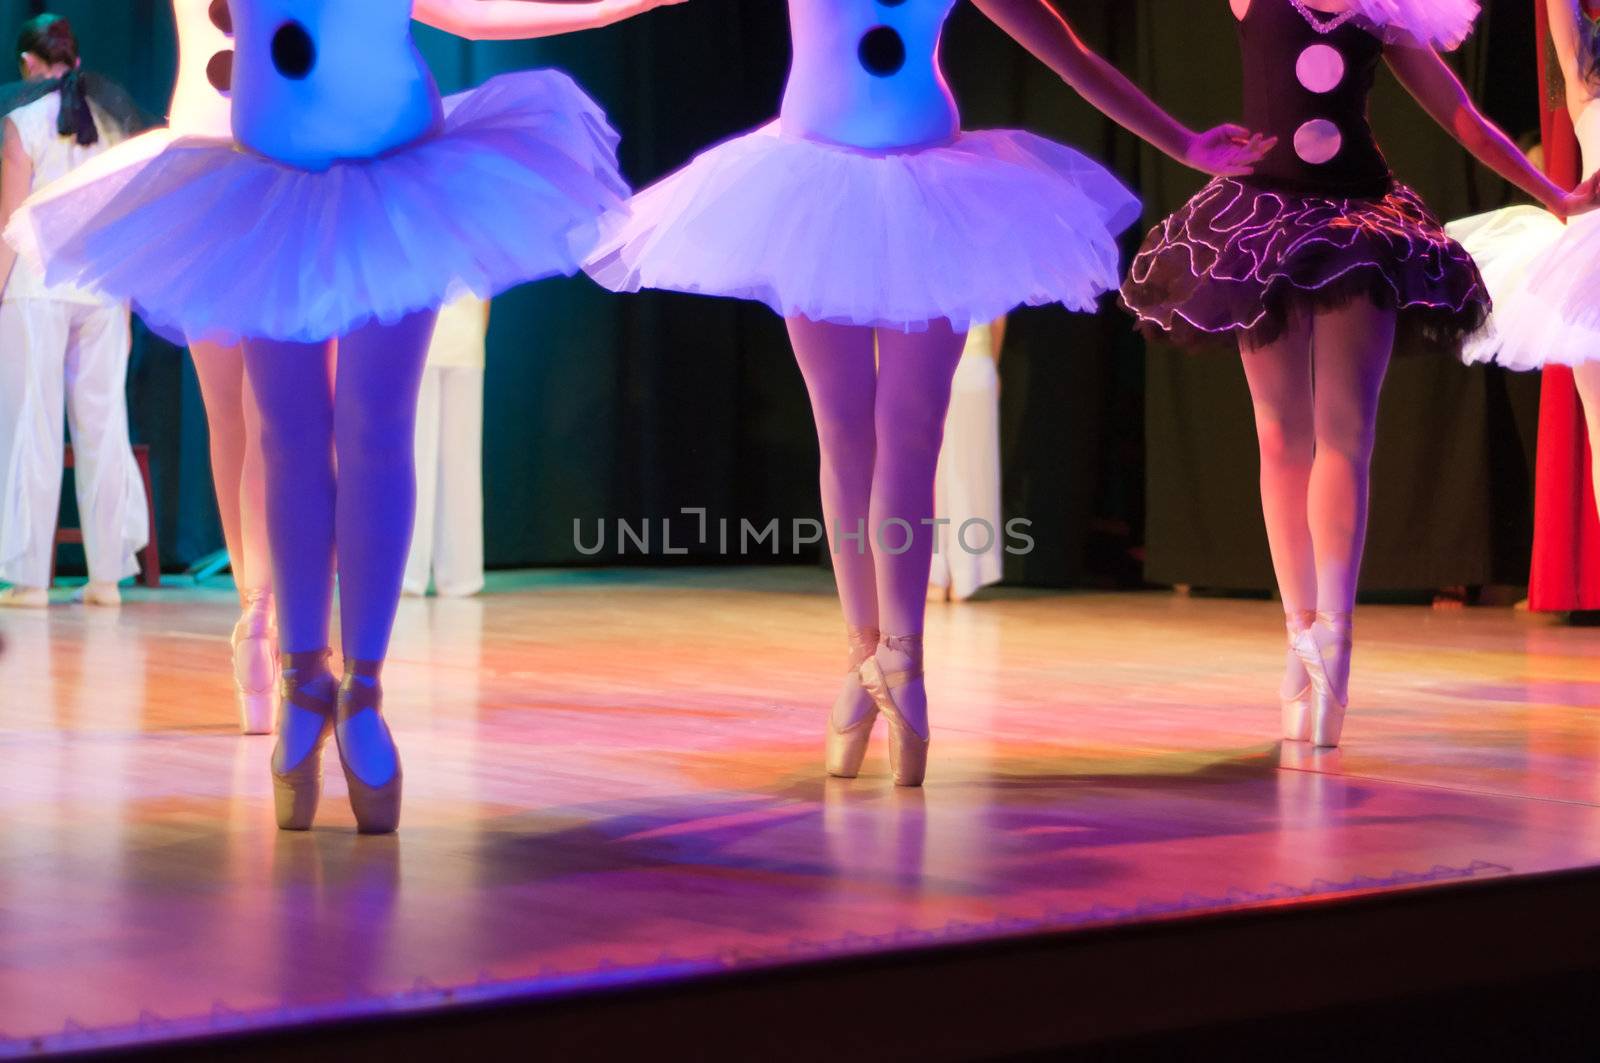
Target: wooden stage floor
(616,776)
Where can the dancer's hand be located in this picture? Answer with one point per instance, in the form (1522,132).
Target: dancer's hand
(1583,199)
(1227,151)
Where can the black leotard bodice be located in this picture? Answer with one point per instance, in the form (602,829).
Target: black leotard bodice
(1307,78)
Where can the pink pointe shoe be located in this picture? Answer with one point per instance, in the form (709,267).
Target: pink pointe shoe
(308,685)
(847,748)
(908,750)
(377,808)
(1325,649)
(1299,711)
(255,664)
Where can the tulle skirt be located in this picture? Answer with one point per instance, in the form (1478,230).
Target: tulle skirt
(962,231)
(1238,260)
(1545,279)
(1443,23)
(211,241)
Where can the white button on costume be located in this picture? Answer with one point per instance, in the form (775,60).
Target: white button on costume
(1320,69)
(63,349)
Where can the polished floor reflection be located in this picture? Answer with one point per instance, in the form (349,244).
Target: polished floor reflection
(615,775)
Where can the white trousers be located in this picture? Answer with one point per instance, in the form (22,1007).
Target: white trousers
(448,540)
(967,488)
(55,358)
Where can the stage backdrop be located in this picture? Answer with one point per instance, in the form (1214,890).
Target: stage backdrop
(605,408)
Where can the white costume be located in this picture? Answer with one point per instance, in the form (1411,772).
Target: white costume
(448,541)
(866,204)
(1542,275)
(63,348)
(967,492)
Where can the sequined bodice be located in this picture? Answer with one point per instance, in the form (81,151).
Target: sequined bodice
(1307,78)
(866,73)
(315,81)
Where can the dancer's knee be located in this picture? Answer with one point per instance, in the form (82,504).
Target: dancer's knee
(1285,442)
(1347,430)
(912,424)
(295,441)
(376,434)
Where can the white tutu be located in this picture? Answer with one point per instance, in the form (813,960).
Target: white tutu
(1542,277)
(211,241)
(1443,23)
(964,231)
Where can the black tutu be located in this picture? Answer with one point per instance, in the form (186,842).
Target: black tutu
(1238,259)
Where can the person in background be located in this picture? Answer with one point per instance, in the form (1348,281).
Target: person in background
(447,545)
(62,348)
(969,555)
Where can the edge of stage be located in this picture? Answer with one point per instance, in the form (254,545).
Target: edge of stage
(645,860)
(1151,988)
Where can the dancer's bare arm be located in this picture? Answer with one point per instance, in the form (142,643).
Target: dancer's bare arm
(1436,87)
(1229,150)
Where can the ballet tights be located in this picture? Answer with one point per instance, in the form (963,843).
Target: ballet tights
(880,400)
(361,422)
(237,466)
(1587,378)
(1315,390)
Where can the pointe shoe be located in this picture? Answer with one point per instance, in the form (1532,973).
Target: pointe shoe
(306,684)
(377,808)
(847,748)
(1328,708)
(255,665)
(1299,710)
(16,597)
(908,750)
(106,595)
(1332,701)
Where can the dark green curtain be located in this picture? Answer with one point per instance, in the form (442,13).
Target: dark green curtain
(607,407)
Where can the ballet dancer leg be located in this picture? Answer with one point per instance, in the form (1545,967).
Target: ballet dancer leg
(915,371)
(220,371)
(1587,378)
(1279,374)
(839,366)
(295,398)
(379,376)
(1351,348)
(234,422)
